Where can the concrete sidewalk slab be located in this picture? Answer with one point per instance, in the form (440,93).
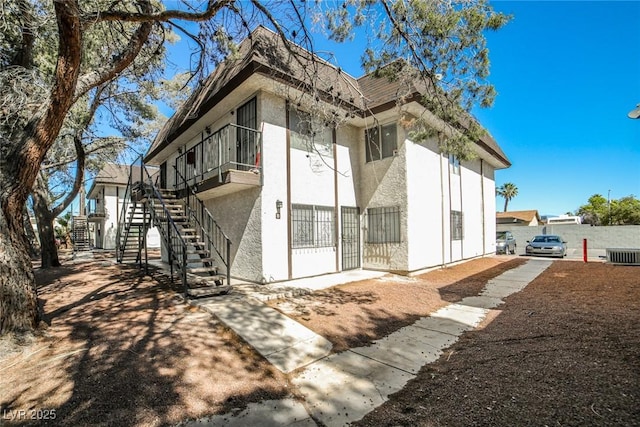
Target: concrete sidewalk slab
(487,302)
(287,344)
(408,349)
(270,413)
(345,387)
(443,325)
(515,280)
(466,315)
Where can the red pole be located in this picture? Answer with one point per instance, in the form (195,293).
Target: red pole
(584,249)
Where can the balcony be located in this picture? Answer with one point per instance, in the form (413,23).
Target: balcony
(224,162)
(95,211)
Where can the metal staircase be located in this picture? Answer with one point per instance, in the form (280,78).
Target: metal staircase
(133,237)
(190,251)
(80,233)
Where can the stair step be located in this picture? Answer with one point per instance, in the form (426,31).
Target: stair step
(208,291)
(190,237)
(197,251)
(202,270)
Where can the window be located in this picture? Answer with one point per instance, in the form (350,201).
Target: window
(312,226)
(383,225)
(380,142)
(246,143)
(456,225)
(308,134)
(454,164)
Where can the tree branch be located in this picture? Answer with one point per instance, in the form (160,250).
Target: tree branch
(79,179)
(24,55)
(122,61)
(213,7)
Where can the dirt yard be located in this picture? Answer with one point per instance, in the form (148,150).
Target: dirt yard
(565,351)
(122,349)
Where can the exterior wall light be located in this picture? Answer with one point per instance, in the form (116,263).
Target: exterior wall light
(278,207)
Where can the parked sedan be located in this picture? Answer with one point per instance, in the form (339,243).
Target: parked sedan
(547,245)
(505,243)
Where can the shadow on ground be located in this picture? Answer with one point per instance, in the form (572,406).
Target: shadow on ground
(355,314)
(122,349)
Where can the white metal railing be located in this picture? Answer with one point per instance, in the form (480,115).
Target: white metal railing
(230,147)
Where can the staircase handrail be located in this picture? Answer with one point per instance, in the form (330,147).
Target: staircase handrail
(152,193)
(122,220)
(224,254)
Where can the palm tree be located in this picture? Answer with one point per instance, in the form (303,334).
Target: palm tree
(508,190)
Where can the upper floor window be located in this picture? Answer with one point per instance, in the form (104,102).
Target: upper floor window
(454,164)
(381,142)
(309,133)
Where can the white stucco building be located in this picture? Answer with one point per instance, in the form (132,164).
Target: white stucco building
(104,207)
(298,198)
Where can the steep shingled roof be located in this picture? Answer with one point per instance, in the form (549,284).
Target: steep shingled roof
(264,52)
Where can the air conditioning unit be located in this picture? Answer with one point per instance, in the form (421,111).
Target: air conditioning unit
(623,256)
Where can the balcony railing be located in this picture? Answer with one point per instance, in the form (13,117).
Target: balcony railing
(230,148)
(95,210)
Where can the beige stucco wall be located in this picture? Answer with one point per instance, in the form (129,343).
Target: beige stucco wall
(383,184)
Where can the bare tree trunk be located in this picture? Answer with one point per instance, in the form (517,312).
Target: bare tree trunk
(46,216)
(34,243)
(20,161)
(45,219)
(18,296)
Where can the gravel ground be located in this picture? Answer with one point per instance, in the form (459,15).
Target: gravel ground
(122,349)
(563,352)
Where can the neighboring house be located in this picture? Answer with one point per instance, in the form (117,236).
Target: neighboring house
(104,205)
(299,199)
(505,220)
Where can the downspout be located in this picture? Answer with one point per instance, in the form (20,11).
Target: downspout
(289,230)
(461,214)
(484,230)
(336,231)
(118,206)
(442,209)
(450,205)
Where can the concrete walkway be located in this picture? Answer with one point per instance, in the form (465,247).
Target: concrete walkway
(340,388)
(284,342)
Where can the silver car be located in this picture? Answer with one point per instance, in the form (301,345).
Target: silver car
(505,243)
(547,245)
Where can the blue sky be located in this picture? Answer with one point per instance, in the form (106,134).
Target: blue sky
(567,73)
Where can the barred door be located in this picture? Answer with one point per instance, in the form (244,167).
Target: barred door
(246,140)
(350,238)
